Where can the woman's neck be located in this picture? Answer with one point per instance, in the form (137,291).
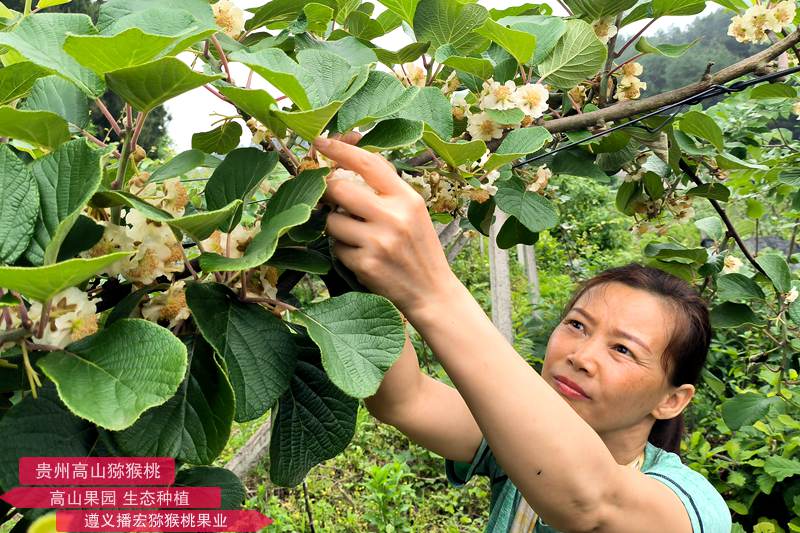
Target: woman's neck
(628,443)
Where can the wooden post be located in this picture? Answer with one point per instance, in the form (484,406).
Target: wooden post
(500,280)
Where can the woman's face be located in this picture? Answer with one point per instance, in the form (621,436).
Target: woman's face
(610,345)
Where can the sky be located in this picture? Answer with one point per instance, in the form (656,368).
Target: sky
(194,111)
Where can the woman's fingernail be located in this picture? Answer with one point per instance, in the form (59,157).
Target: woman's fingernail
(321,142)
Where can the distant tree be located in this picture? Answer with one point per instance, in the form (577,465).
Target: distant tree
(153,136)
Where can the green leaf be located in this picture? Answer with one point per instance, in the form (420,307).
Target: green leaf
(392,134)
(112,377)
(481,215)
(278,69)
(22,435)
(185,21)
(310,123)
(745,409)
(5,13)
(506,117)
(789,176)
(130,48)
(578,55)
(16,80)
(362,26)
(40,39)
(577,163)
(232,489)
(773,90)
(666,49)
(315,421)
(407,54)
(42,283)
(128,305)
(318,17)
(781,467)
(351,49)
(513,232)
(434,109)
(519,44)
(278,13)
(594,9)
(66,179)
(200,225)
(711,226)
(183,163)
(733,315)
(328,77)
(61,97)
(701,125)
(259,352)
(777,270)
(456,153)
(290,206)
(220,140)
(677,8)
(360,336)
(148,86)
(476,66)
(42,128)
(518,143)
(733,287)
(715,191)
(194,425)
(404,8)
(446,22)
(19,205)
(676,253)
(755,209)
(533,210)
(255,102)
(300,259)
(382,96)
(237,178)
(547,30)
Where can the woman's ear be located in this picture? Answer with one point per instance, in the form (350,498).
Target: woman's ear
(674,402)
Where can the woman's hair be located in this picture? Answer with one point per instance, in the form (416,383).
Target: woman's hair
(686,351)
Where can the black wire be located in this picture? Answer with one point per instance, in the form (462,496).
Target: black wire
(710,92)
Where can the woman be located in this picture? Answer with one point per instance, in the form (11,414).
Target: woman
(571,443)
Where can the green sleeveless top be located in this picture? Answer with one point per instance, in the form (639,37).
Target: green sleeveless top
(707,510)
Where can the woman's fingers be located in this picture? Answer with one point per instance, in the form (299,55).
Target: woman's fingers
(346,229)
(358,199)
(376,171)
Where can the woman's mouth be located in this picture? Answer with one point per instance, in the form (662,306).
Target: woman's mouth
(570,389)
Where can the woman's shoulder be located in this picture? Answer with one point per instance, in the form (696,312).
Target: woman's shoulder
(707,509)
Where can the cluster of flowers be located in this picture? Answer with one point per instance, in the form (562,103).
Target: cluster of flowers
(629,86)
(604,28)
(229,18)
(756,23)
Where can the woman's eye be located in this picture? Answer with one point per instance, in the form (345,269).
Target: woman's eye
(574,323)
(623,350)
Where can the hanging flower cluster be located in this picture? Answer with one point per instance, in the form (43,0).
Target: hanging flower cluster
(232,244)
(72,317)
(761,18)
(629,86)
(731,264)
(530,98)
(604,28)
(542,177)
(791,296)
(168,306)
(439,193)
(169,195)
(229,18)
(412,75)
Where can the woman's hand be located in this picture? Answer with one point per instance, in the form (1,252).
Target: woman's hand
(392,247)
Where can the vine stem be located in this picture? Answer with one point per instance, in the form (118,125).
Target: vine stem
(607,68)
(635,37)
(724,216)
(106,113)
(13,335)
(140,118)
(33,377)
(308,507)
(216,93)
(222,58)
(270,301)
(45,318)
(631,60)
(28,4)
(123,165)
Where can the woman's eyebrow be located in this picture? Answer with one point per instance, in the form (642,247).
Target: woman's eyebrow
(618,333)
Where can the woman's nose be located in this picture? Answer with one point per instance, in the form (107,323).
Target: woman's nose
(583,357)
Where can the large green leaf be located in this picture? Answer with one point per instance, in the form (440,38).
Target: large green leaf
(734,287)
(315,421)
(42,128)
(777,270)
(360,336)
(547,30)
(578,55)
(42,283)
(112,377)
(456,153)
(16,80)
(311,122)
(19,205)
(381,96)
(277,68)
(519,44)
(781,467)
(676,253)
(433,108)
(595,9)
(351,49)
(183,163)
(194,425)
(404,8)
(255,102)
(149,85)
(130,48)
(40,427)
(123,14)
(533,210)
(677,8)
(220,140)
(290,206)
(237,178)
(407,54)
(66,179)
(518,143)
(40,39)
(59,96)
(744,409)
(733,315)
(278,13)
(446,22)
(392,134)
(666,49)
(231,487)
(259,352)
(476,66)
(701,125)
